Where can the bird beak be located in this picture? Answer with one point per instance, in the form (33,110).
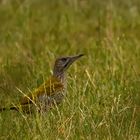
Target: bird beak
(74,58)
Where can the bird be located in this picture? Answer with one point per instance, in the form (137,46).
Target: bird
(50,93)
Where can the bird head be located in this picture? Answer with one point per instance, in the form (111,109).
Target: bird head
(63,63)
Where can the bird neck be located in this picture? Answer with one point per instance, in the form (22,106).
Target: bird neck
(60,75)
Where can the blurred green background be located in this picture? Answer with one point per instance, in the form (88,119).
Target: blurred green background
(103,100)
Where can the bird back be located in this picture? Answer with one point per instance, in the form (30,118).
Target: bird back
(48,88)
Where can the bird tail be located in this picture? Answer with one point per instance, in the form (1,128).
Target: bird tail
(10,108)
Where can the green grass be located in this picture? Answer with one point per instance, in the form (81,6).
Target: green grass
(103,98)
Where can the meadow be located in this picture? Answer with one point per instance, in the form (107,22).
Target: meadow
(103,93)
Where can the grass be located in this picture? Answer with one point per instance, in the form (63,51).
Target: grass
(103,98)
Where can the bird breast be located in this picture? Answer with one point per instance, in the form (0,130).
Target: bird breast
(48,101)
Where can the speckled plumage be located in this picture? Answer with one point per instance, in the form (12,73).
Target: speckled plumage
(44,97)
(50,93)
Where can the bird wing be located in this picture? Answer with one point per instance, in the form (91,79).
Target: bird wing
(50,87)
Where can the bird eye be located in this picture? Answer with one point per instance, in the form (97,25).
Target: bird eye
(63,59)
